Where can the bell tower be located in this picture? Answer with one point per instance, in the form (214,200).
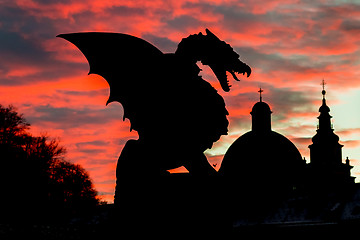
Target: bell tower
(326,152)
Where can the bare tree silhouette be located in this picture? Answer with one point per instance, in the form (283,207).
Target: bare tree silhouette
(36,180)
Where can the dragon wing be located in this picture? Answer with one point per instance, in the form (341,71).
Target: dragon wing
(116,57)
(125,62)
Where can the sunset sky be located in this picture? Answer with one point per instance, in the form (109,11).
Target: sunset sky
(291,45)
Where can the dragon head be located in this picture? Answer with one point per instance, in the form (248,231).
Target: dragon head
(221,59)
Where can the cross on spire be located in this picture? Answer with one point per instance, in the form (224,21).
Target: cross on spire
(323,92)
(260,91)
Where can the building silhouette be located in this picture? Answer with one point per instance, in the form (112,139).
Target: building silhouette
(269,182)
(262,166)
(326,167)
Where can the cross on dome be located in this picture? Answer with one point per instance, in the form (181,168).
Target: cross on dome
(260,91)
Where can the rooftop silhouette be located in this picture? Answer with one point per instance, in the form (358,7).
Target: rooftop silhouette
(263,170)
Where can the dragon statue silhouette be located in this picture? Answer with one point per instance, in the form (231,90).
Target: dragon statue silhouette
(177,114)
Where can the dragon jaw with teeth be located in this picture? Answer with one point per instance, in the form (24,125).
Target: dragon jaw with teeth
(217,54)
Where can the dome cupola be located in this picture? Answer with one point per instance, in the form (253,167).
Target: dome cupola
(261,115)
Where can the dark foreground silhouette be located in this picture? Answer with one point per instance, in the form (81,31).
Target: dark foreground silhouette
(177,114)
(38,184)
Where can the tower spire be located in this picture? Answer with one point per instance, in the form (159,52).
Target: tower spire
(325,117)
(323,92)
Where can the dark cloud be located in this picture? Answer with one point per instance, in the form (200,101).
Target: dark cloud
(244,99)
(12,17)
(18,52)
(286,102)
(240,19)
(99,92)
(163,43)
(18,20)
(46,2)
(71,117)
(181,23)
(268,62)
(13,44)
(22,40)
(350,25)
(286,97)
(92,143)
(229,12)
(120,141)
(334,9)
(92,151)
(288,29)
(15,50)
(126,11)
(101,162)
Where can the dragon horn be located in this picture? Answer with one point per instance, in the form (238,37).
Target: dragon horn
(210,34)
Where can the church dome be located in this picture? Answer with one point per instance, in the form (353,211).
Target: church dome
(266,157)
(262,157)
(261,167)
